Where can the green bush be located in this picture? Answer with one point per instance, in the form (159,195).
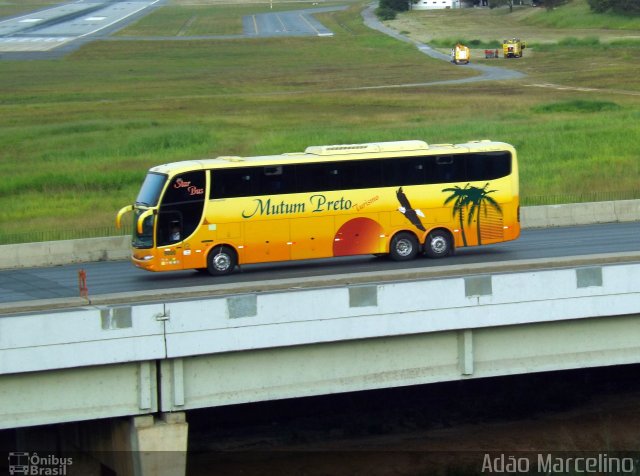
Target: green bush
(625,7)
(385,13)
(475,43)
(396,5)
(578,105)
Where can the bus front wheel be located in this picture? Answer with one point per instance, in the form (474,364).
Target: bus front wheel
(404,246)
(438,244)
(222,260)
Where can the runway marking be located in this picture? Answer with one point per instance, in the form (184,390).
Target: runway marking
(284,28)
(9,45)
(314,28)
(309,23)
(117,20)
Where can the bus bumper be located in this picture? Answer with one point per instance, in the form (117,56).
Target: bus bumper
(144,261)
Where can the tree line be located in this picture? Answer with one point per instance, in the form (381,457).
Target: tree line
(627,7)
(388,9)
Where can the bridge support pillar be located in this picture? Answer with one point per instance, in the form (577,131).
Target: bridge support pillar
(145,445)
(159,444)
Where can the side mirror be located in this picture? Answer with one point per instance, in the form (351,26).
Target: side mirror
(121,213)
(142,218)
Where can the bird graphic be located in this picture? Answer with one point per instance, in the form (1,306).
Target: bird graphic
(405,208)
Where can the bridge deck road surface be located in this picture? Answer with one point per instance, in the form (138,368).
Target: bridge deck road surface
(121,276)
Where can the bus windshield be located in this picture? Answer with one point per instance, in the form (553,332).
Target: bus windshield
(151,189)
(144,239)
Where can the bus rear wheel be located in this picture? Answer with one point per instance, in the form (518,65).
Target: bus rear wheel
(404,246)
(222,260)
(438,244)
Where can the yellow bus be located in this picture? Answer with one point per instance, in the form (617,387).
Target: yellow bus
(398,199)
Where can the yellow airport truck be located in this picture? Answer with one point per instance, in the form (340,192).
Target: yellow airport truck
(513,48)
(460,54)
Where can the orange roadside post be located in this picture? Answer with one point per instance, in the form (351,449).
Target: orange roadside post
(82,283)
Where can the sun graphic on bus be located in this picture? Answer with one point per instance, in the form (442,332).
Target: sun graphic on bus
(357,236)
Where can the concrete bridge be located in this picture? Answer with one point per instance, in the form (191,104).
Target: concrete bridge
(136,369)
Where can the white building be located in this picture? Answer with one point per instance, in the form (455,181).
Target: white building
(435,4)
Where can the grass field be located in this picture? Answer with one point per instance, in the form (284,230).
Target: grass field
(78,133)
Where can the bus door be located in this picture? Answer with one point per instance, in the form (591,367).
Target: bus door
(169,239)
(179,216)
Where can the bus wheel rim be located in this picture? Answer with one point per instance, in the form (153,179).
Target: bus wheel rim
(438,244)
(404,247)
(221,262)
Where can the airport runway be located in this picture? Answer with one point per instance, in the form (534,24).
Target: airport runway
(73,24)
(52,28)
(293,23)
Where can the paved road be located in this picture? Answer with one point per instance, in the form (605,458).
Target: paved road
(487,73)
(121,276)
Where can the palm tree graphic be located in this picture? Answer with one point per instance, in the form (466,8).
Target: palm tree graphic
(460,198)
(476,200)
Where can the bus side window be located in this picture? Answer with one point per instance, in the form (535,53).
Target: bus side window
(488,166)
(497,164)
(450,168)
(403,171)
(334,176)
(278,179)
(316,177)
(238,182)
(360,174)
(170,227)
(476,168)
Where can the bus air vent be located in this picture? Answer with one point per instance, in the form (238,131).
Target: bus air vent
(398,146)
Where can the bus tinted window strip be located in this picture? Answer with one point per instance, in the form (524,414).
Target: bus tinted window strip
(360,174)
